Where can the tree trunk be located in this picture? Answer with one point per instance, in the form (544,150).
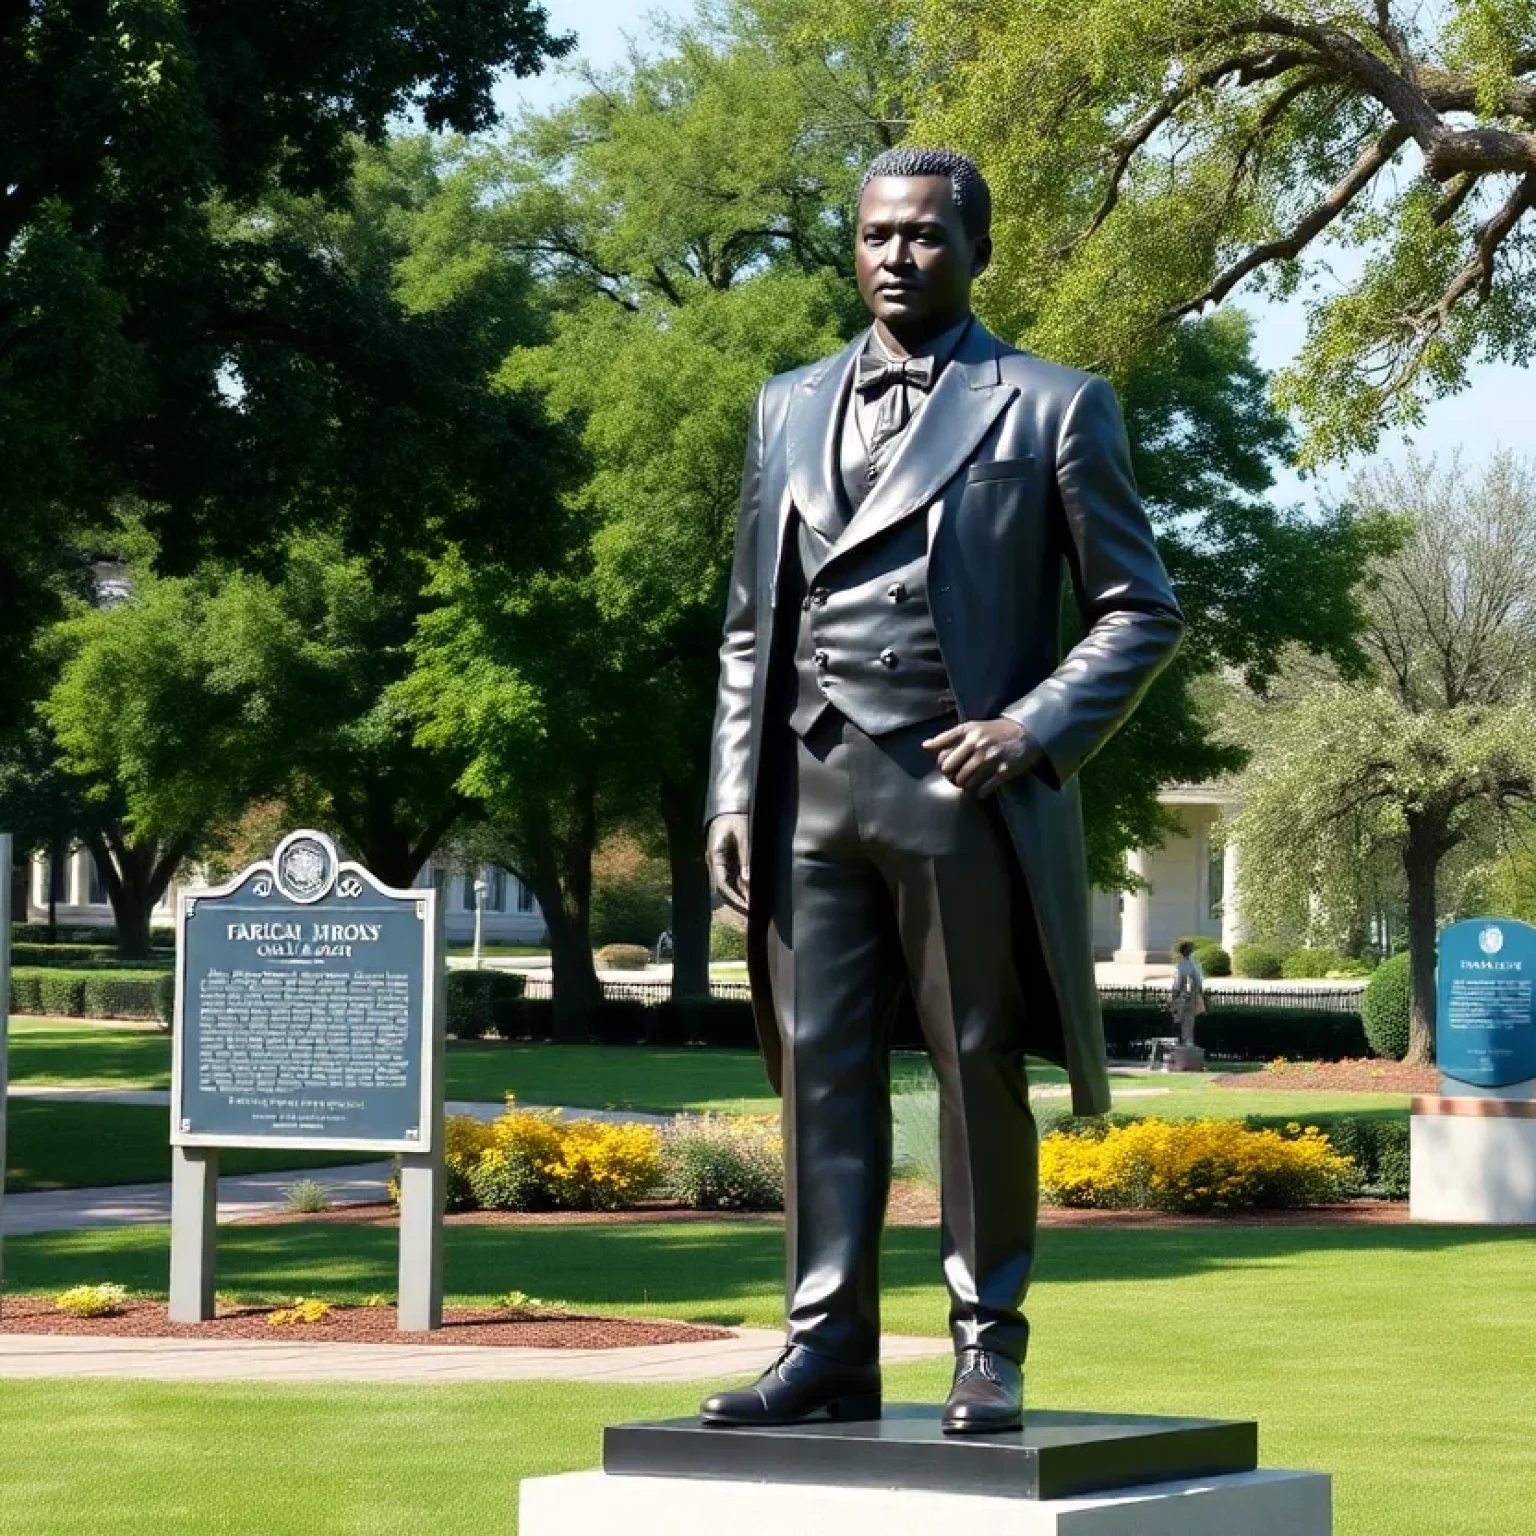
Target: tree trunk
(381,841)
(1421,861)
(681,811)
(559,871)
(136,877)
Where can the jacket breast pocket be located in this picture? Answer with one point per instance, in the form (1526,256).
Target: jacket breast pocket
(1000,469)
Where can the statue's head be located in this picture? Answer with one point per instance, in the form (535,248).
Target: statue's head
(923,237)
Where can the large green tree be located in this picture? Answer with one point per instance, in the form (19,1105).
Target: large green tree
(126,313)
(1153,156)
(1429,751)
(692,216)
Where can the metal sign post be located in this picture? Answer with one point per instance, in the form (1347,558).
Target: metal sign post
(309,1015)
(5,1009)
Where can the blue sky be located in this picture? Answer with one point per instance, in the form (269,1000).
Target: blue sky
(1494,412)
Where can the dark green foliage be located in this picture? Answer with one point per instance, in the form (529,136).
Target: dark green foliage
(1213,960)
(37,933)
(1310,964)
(84,957)
(1386,1005)
(1240,1033)
(622,1021)
(727,941)
(1378,1148)
(507,1183)
(480,1003)
(94,994)
(1262,962)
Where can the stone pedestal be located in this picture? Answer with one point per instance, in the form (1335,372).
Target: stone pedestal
(1473,1160)
(1064,1474)
(1186,1058)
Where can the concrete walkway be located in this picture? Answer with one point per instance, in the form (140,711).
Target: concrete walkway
(139,1205)
(32,1355)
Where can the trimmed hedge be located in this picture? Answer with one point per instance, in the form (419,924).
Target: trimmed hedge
(82,957)
(1310,964)
(93,994)
(63,933)
(1213,960)
(1240,1033)
(622,957)
(480,1002)
(1258,962)
(727,941)
(1386,1006)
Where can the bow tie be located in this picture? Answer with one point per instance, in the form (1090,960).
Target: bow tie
(876,373)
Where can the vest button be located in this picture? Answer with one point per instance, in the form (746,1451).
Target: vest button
(888,657)
(819,596)
(897,592)
(821,659)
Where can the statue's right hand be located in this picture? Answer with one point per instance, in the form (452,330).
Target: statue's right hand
(730,860)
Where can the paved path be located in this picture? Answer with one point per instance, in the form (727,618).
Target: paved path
(252,1360)
(137,1205)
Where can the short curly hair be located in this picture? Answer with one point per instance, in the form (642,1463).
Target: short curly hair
(973,197)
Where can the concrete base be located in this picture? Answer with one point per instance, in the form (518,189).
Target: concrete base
(1186,1058)
(598,1504)
(1473,1168)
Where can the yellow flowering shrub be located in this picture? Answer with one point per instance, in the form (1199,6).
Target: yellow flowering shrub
(1193,1166)
(92,1300)
(535,1135)
(305,1310)
(604,1166)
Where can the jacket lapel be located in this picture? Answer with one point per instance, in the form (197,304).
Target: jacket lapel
(944,434)
(815,415)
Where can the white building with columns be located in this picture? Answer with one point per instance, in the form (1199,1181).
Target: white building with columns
(511,915)
(1191,885)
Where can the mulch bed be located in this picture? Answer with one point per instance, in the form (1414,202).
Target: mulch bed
(361,1325)
(912,1204)
(1338,1077)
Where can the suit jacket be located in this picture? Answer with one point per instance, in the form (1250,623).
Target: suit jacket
(1021,470)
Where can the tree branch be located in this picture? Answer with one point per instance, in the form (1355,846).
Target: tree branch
(1342,194)
(1249,67)
(1478,271)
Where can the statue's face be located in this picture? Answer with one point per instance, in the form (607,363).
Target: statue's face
(914,259)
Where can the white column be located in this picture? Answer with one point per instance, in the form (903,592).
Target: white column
(40,882)
(1135,912)
(77,890)
(1234,930)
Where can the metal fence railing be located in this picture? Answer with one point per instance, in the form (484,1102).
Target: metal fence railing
(1343,997)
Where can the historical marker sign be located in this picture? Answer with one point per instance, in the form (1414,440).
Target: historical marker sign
(1486,996)
(304,1008)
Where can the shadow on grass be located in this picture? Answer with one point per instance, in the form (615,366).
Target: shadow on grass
(719,1273)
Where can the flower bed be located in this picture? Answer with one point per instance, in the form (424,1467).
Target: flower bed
(533,1160)
(1192,1166)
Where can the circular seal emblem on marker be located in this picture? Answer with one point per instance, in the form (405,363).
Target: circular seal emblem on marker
(1491,940)
(305,866)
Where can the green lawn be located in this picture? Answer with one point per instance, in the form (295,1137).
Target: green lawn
(77,1146)
(1395,1358)
(59,1053)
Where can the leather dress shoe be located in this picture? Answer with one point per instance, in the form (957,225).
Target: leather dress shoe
(799,1385)
(987,1395)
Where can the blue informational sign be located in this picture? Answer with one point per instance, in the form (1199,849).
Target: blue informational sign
(305,1008)
(1486,996)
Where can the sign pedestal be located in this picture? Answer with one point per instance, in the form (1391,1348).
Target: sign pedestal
(1473,1145)
(1474,1161)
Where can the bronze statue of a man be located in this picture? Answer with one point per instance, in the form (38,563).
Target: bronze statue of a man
(892,800)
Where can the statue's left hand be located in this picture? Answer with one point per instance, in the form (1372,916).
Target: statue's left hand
(979,756)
